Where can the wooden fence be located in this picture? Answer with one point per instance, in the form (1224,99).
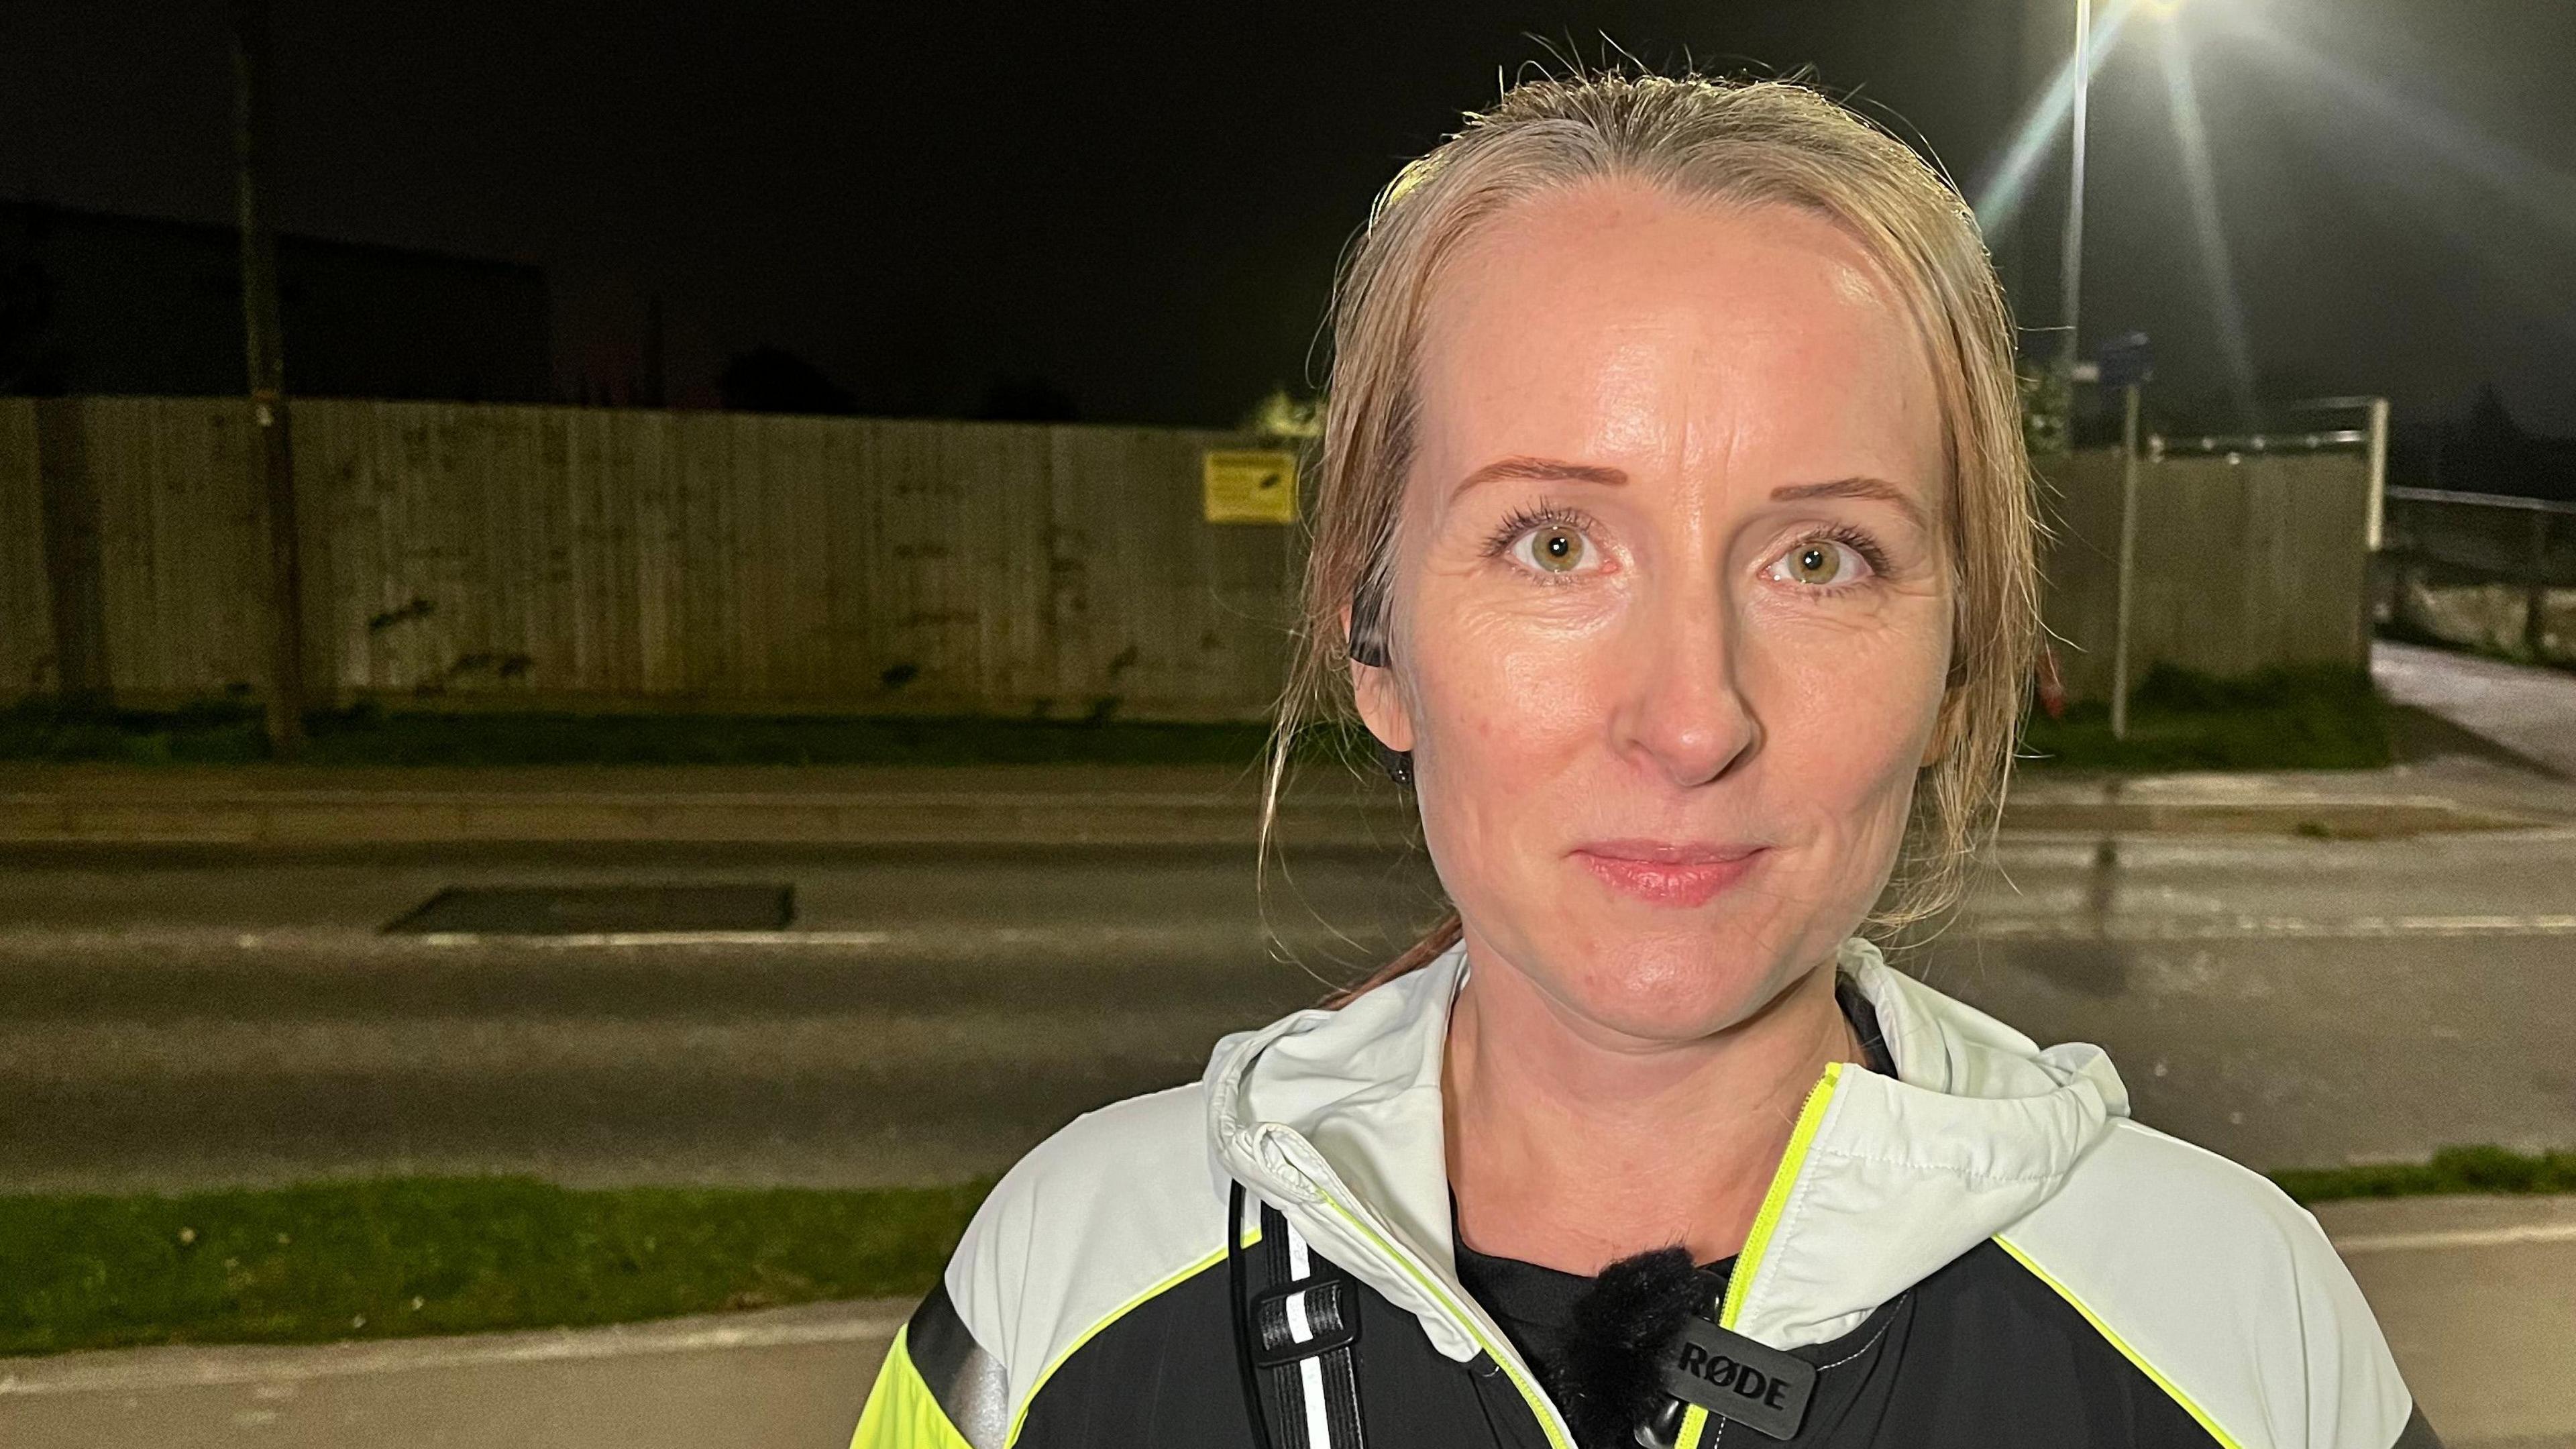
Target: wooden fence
(501,556)
(2240,565)
(544,556)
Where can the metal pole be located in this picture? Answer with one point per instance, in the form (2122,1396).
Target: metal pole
(264,350)
(2535,597)
(2378,455)
(2128,560)
(2070,265)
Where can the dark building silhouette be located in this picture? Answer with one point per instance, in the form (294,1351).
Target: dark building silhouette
(2484,452)
(775,380)
(1027,399)
(97,303)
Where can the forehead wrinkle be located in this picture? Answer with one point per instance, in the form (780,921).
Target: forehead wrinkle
(1636,390)
(1675,389)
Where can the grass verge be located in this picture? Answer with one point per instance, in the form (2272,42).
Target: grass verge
(231,733)
(407,1256)
(2452,1170)
(2284,719)
(403,1257)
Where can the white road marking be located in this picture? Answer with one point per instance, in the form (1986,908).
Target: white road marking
(946,939)
(2457,1238)
(167,1368)
(579,940)
(2075,926)
(934,938)
(2072,926)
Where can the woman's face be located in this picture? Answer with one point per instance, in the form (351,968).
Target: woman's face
(1671,612)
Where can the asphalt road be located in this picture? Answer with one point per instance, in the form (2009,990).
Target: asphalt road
(175,1018)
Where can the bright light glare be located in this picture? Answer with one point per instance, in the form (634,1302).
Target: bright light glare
(2545,191)
(2191,143)
(2007,185)
(2413,143)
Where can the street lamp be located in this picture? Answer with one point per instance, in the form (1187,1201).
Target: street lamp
(2080,71)
(2070,268)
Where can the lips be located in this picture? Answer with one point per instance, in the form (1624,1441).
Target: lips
(1668,873)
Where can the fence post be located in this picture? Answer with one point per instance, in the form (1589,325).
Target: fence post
(67,497)
(2377,444)
(266,355)
(2128,560)
(2535,603)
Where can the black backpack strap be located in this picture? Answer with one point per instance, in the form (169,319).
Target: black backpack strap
(1296,1334)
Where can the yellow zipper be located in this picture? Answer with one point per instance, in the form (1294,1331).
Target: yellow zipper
(1775,1201)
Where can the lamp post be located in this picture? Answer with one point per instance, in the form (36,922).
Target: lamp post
(2070,267)
(273,453)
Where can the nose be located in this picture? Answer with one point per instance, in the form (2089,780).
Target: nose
(1683,710)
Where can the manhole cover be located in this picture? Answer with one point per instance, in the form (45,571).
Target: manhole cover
(588,910)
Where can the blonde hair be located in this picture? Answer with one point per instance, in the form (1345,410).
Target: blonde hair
(1738,142)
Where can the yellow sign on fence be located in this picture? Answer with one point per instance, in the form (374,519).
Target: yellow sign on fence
(1250,487)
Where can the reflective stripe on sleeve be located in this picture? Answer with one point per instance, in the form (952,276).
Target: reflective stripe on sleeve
(938,1389)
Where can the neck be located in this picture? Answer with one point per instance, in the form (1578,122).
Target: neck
(1571,1146)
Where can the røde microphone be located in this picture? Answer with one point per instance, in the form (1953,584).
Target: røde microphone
(1609,1380)
(1643,1345)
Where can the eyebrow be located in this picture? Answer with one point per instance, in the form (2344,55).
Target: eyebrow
(1856,487)
(1876,488)
(1524,467)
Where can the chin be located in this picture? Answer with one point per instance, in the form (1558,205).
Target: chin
(1670,987)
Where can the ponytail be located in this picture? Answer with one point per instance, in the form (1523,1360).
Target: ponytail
(1422,953)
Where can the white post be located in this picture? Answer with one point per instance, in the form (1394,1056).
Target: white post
(2129,409)
(2378,470)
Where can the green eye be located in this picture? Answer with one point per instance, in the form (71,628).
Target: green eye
(1558,550)
(1817,561)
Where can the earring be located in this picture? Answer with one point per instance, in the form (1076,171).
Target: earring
(1398,765)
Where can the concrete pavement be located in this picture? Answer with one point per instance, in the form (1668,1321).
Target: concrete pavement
(2478,1298)
(786,1378)
(2474,1294)
(2528,710)
(324,805)
(1076,805)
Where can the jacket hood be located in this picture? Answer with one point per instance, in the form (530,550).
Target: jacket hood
(1335,1118)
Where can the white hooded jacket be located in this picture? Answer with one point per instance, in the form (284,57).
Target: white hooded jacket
(2200,1274)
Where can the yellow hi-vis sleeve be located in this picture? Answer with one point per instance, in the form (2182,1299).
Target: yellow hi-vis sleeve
(901,1413)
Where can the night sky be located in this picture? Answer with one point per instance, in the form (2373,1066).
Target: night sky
(1143,205)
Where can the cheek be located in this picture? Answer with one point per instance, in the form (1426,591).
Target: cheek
(1850,719)
(1494,688)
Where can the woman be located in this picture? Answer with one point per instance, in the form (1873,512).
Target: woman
(1674,541)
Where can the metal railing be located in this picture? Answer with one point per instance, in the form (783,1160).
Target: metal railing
(2482,500)
(2210,445)
(2371,437)
(2442,541)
